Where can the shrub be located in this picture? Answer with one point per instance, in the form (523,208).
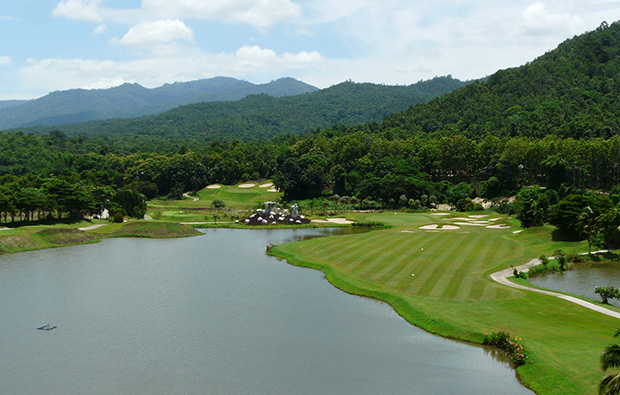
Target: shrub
(218,203)
(544,260)
(118,217)
(512,346)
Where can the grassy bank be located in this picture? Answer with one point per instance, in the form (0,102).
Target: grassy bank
(438,279)
(38,237)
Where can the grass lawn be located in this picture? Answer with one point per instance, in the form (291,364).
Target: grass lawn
(237,199)
(438,279)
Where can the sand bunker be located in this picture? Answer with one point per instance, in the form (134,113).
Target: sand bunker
(269,184)
(342,221)
(440,213)
(272,190)
(517,231)
(478,216)
(436,227)
(247,185)
(214,186)
(470,224)
(498,227)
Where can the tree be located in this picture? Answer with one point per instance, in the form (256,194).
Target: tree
(133,204)
(589,225)
(532,206)
(607,293)
(610,385)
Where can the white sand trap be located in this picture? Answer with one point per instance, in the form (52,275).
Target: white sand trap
(268,185)
(469,224)
(247,185)
(478,216)
(494,219)
(517,231)
(498,227)
(408,231)
(440,213)
(90,227)
(5,228)
(214,186)
(342,221)
(272,190)
(436,227)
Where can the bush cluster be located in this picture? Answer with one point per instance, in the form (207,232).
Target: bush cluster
(512,346)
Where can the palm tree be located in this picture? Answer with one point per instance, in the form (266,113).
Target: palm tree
(589,224)
(610,358)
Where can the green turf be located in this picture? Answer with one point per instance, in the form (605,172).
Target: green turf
(452,295)
(238,203)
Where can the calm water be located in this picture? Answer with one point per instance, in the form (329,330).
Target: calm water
(582,279)
(213,315)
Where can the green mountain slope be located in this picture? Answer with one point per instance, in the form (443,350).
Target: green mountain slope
(571,91)
(133,100)
(264,116)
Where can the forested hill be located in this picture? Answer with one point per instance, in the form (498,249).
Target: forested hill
(133,100)
(263,116)
(572,91)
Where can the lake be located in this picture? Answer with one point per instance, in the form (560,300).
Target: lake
(582,279)
(214,314)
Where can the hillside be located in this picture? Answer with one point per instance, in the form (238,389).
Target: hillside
(133,100)
(264,116)
(571,91)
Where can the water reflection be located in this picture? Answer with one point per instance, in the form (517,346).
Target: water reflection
(582,279)
(215,315)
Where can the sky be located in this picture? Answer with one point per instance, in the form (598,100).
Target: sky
(50,45)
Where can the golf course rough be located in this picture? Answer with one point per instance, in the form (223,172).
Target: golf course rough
(452,295)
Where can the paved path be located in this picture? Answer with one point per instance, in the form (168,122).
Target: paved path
(187,195)
(502,278)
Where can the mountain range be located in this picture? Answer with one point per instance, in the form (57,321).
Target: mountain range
(264,116)
(134,100)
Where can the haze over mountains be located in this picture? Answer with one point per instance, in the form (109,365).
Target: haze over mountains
(266,115)
(134,100)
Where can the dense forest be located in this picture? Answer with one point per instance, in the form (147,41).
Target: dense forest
(262,116)
(552,123)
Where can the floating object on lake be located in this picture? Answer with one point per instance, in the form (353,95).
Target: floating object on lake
(47,327)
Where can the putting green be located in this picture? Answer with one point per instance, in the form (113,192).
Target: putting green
(450,292)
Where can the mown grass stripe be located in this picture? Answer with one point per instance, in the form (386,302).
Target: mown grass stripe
(390,258)
(371,252)
(431,272)
(342,254)
(450,281)
(387,271)
(486,254)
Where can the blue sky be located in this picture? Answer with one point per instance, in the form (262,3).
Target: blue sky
(49,45)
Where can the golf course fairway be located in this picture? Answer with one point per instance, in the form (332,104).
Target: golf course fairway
(437,278)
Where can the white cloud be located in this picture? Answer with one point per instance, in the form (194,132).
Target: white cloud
(248,62)
(6,60)
(100,29)
(258,13)
(83,10)
(155,32)
(539,20)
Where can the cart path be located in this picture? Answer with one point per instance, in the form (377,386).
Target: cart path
(187,195)
(502,278)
